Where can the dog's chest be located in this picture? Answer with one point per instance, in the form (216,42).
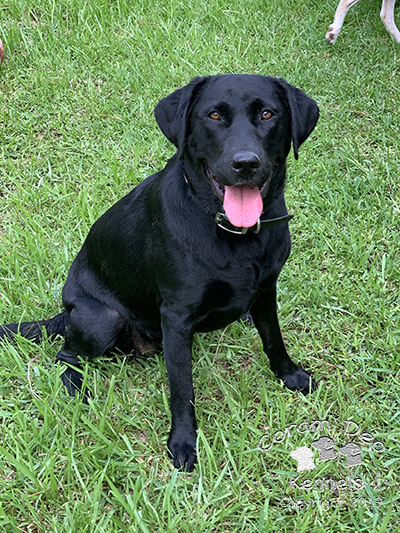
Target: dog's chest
(221,303)
(224,297)
(223,293)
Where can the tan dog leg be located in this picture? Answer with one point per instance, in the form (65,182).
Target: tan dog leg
(336,26)
(387,17)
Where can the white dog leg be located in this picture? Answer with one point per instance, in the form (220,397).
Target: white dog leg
(341,11)
(387,17)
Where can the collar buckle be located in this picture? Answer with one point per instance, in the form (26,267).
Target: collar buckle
(257,227)
(223,222)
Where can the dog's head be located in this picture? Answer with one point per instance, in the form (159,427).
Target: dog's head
(234,132)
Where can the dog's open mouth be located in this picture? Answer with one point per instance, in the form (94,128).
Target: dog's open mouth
(243,204)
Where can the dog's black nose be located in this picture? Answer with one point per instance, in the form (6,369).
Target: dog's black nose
(245,162)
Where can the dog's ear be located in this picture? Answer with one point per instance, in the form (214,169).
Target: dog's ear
(172,112)
(303,111)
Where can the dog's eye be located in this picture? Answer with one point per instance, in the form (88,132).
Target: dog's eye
(266,114)
(215,115)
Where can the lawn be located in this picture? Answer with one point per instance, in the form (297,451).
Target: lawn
(77,88)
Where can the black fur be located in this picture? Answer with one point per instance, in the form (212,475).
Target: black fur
(156,266)
(34,330)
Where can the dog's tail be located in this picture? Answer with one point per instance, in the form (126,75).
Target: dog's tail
(34,330)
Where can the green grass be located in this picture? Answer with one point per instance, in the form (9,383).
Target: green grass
(77,89)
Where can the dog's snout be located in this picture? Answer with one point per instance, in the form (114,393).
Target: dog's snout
(245,162)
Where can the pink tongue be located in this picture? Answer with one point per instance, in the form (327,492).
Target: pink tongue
(243,205)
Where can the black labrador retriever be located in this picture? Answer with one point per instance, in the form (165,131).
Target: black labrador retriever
(195,246)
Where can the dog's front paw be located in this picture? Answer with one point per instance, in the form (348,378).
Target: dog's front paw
(299,380)
(182,447)
(332,34)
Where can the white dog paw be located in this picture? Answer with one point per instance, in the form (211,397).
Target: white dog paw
(332,34)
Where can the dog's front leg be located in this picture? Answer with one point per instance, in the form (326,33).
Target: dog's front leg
(387,17)
(264,313)
(177,339)
(336,26)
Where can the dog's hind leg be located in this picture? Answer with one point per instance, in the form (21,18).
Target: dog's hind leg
(265,318)
(336,26)
(387,17)
(92,330)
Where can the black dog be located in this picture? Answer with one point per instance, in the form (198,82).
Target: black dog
(193,247)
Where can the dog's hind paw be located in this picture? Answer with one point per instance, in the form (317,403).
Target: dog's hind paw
(246,319)
(72,379)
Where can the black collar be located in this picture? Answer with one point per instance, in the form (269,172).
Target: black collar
(222,221)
